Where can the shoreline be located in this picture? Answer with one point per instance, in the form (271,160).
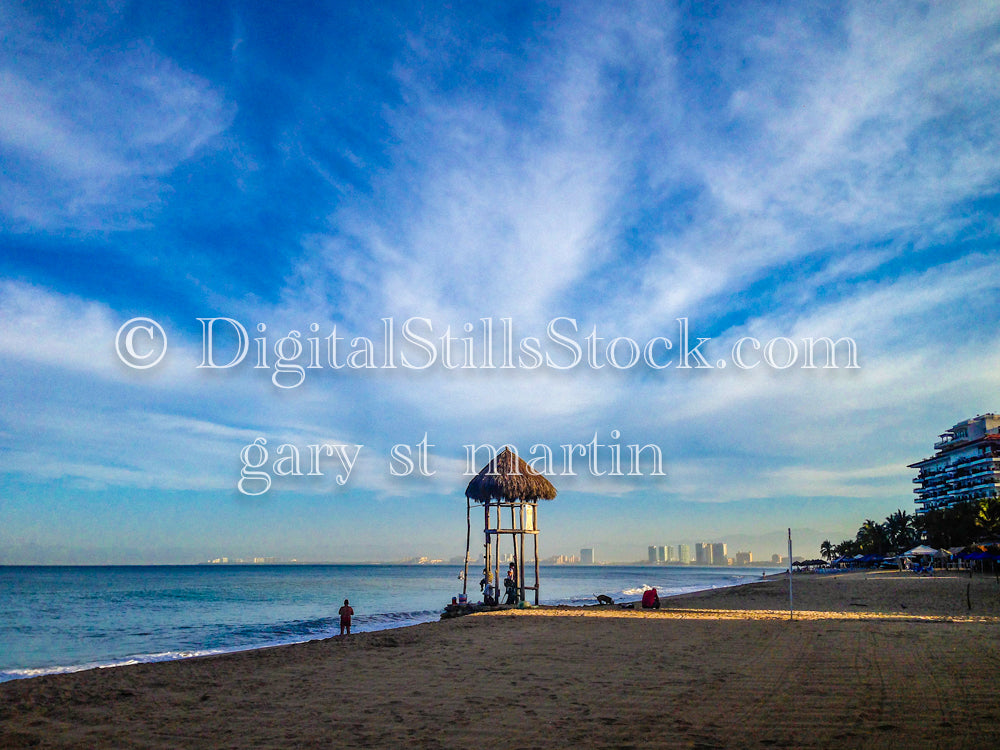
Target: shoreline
(674,603)
(163,657)
(720,668)
(181,654)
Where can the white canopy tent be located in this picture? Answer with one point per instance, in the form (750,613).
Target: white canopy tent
(921,550)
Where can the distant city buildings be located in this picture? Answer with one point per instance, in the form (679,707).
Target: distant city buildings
(719,556)
(660,553)
(965,467)
(564,560)
(703,554)
(587,556)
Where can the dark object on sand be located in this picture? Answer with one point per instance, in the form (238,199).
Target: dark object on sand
(457,610)
(603,599)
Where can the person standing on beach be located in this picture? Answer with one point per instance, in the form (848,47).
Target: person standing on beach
(346,613)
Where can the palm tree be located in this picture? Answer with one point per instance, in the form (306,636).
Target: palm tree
(872,537)
(826,550)
(900,530)
(847,548)
(928,525)
(949,527)
(988,515)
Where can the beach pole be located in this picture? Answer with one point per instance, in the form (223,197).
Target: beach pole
(791,608)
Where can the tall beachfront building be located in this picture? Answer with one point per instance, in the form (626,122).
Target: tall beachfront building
(703,553)
(587,556)
(684,553)
(965,466)
(719,554)
(660,553)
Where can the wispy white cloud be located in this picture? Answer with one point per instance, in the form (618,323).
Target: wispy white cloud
(495,204)
(877,133)
(845,154)
(87,134)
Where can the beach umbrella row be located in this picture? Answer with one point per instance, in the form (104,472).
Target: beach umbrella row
(980,556)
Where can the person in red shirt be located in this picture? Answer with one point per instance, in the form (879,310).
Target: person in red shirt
(650,599)
(346,613)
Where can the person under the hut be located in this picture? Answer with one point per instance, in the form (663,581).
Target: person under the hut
(510,585)
(486,584)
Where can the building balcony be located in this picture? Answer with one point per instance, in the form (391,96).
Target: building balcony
(984,472)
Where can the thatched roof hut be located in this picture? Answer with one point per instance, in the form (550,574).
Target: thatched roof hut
(506,482)
(508,477)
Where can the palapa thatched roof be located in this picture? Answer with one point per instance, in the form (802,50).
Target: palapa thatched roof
(508,477)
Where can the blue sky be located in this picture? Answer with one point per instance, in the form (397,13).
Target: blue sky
(768,170)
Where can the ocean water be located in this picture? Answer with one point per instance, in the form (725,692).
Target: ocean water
(59,619)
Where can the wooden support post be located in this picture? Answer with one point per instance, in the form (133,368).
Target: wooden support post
(517,558)
(535,536)
(520,571)
(496,558)
(486,528)
(468,540)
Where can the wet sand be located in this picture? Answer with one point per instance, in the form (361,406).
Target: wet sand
(882,660)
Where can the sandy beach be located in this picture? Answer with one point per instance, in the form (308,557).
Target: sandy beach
(881,660)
